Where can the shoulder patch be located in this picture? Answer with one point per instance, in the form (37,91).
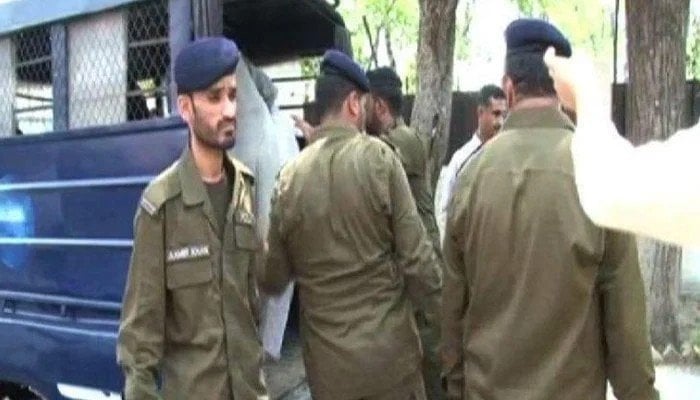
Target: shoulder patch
(149,207)
(164,187)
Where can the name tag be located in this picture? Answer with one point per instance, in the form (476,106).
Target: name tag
(188,253)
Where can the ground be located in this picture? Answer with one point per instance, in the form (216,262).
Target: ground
(286,378)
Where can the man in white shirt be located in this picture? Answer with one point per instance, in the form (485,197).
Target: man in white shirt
(651,189)
(491,112)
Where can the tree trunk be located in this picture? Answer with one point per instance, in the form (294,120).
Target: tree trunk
(433,104)
(656,34)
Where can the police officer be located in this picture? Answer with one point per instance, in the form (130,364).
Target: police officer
(344,226)
(385,120)
(538,303)
(189,315)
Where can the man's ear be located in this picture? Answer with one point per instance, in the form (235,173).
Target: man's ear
(354,103)
(185,107)
(509,89)
(383,106)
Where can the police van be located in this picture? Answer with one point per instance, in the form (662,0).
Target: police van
(87,118)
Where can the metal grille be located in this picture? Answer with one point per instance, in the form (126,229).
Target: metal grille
(119,66)
(33,105)
(148,61)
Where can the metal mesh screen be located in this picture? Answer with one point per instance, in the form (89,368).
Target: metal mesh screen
(148,61)
(115,68)
(33,92)
(119,63)
(97,70)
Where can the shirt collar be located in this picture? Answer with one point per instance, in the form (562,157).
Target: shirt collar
(539,117)
(336,130)
(193,189)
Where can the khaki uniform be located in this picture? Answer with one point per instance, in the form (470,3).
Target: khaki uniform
(413,153)
(189,308)
(343,225)
(539,303)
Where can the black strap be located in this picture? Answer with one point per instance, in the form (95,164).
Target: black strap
(466,160)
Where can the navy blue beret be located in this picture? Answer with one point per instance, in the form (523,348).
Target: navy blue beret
(338,63)
(535,36)
(384,78)
(203,62)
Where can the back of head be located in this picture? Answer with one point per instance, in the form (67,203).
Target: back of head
(527,40)
(340,76)
(385,83)
(529,75)
(330,93)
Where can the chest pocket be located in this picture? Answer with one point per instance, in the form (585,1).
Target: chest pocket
(186,274)
(244,230)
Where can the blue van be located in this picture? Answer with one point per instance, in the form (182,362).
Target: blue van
(86,120)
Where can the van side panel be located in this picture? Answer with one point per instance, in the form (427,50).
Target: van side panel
(67,204)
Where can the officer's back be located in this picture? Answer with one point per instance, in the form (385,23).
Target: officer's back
(538,302)
(343,224)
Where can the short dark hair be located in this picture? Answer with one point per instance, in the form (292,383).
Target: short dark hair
(385,84)
(529,75)
(489,92)
(331,91)
(393,97)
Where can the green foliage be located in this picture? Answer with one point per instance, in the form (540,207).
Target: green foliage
(530,7)
(310,67)
(400,17)
(464,20)
(588,24)
(692,59)
(695,337)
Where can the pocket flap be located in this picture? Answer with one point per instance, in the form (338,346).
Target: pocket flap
(189,273)
(246,238)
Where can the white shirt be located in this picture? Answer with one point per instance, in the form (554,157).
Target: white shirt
(447,180)
(653,190)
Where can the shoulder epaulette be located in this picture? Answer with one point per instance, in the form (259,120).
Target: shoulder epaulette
(164,187)
(245,171)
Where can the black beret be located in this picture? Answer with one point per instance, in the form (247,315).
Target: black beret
(338,63)
(535,36)
(383,79)
(204,61)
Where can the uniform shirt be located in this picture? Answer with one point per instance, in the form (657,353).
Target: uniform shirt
(652,189)
(539,303)
(412,150)
(413,153)
(448,178)
(344,226)
(189,312)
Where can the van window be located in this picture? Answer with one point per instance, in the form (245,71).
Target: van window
(31,82)
(118,65)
